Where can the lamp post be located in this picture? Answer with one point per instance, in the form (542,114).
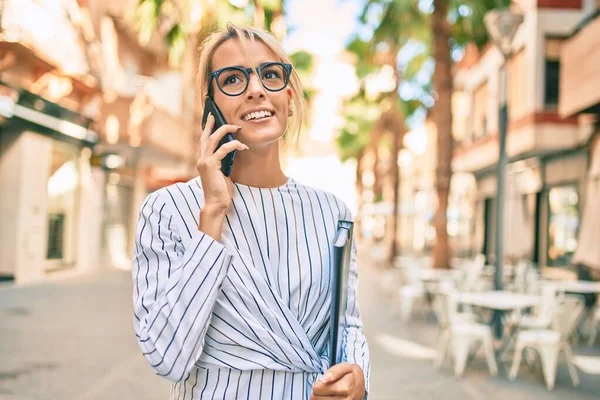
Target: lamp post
(502,25)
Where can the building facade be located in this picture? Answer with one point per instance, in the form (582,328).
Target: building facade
(547,151)
(580,96)
(91,121)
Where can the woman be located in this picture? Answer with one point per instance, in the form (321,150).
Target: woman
(230,275)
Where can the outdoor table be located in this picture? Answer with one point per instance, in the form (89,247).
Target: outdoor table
(580,287)
(436,275)
(499,301)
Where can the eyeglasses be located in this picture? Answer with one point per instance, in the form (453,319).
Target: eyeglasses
(233,81)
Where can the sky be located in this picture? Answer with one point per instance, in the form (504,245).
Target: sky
(322,26)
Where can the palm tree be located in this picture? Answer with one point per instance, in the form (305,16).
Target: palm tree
(356,138)
(468,26)
(397,25)
(452,24)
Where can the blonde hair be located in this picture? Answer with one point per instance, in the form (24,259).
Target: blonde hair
(232,31)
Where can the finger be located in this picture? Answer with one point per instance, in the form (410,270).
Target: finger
(216,136)
(336,372)
(228,148)
(341,388)
(314,397)
(208,127)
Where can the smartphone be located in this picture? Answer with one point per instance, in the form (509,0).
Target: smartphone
(211,107)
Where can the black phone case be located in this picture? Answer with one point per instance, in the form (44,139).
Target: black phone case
(211,107)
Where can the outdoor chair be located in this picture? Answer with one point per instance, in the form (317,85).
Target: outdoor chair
(549,342)
(412,292)
(595,324)
(542,316)
(458,332)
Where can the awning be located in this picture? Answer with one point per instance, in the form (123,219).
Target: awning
(23,110)
(588,248)
(588,242)
(518,243)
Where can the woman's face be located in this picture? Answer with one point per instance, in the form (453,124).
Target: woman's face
(236,109)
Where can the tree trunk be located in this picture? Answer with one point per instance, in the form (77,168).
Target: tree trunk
(395,175)
(359,194)
(442,117)
(259,16)
(376,135)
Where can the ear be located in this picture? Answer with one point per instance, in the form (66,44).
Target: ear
(289,93)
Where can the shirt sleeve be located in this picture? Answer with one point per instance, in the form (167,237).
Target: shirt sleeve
(355,349)
(174,289)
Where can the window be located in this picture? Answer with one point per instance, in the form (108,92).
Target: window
(62,192)
(552,73)
(563,224)
(480,100)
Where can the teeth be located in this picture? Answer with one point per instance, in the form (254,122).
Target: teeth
(257,115)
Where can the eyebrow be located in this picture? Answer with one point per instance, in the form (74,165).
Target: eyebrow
(243,67)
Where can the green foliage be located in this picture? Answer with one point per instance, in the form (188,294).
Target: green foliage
(271,5)
(364,51)
(302,61)
(467,20)
(147,15)
(150,13)
(176,40)
(359,117)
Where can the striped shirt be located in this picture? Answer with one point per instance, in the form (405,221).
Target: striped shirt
(246,317)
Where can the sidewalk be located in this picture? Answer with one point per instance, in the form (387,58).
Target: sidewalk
(73,340)
(402,355)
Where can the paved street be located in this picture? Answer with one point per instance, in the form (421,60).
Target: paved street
(73,340)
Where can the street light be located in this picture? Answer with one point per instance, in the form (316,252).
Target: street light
(502,25)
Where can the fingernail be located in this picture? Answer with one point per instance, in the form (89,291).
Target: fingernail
(239,127)
(246,147)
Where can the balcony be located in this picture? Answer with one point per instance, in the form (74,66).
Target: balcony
(580,71)
(132,122)
(47,32)
(536,134)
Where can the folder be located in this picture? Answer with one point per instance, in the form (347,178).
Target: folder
(339,273)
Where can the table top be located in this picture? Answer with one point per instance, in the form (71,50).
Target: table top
(499,300)
(439,274)
(582,287)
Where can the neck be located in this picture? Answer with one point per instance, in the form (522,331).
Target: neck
(259,167)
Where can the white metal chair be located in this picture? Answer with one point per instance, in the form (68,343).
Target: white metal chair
(549,342)
(587,364)
(473,273)
(542,317)
(594,327)
(411,292)
(458,332)
(519,282)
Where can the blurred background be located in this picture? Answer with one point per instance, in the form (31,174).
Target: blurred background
(462,133)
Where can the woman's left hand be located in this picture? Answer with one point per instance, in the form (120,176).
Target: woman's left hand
(341,382)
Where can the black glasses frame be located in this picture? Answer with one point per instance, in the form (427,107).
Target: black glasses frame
(246,71)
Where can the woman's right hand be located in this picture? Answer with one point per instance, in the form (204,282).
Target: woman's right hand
(216,186)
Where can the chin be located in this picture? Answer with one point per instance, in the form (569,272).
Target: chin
(260,137)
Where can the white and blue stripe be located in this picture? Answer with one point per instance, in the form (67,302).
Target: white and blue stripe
(247,317)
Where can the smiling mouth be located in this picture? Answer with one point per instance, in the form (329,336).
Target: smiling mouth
(257,116)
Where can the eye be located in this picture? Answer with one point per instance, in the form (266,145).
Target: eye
(231,78)
(272,73)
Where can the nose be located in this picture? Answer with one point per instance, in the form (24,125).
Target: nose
(255,88)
